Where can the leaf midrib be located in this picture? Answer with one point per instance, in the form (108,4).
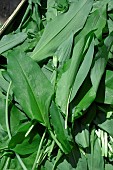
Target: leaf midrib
(25,76)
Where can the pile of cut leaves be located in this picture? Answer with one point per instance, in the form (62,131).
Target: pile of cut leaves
(56,87)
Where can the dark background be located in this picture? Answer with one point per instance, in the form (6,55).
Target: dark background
(6,8)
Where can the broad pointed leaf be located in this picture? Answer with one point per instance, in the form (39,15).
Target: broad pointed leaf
(32,89)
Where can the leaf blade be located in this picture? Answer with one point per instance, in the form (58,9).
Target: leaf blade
(30,90)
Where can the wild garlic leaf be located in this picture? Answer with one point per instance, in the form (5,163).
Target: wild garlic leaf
(95,159)
(97,71)
(83,70)
(63,53)
(96,21)
(60,28)
(59,128)
(11,40)
(66,90)
(65,82)
(103,122)
(32,89)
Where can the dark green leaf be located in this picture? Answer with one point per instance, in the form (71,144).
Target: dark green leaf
(33,91)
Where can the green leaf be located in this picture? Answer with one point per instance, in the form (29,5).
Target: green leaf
(11,40)
(17,119)
(110,25)
(60,131)
(95,159)
(3,130)
(84,104)
(2,114)
(103,122)
(14,164)
(22,144)
(82,163)
(27,146)
(83,70)
(99,67)
(108,87)
(105,91)
(96,21)
(97,71)
(48,165)
(63,52)
(108,166)
(65,165)
(62,5)
(67,78)
(65,89)
(32,89)
(82,135)
(60,28)
(3,83)
(51,11)
(110,5)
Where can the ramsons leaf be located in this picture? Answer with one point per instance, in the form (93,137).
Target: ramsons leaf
(11,40)
(32,89)
(61,27)
(59,127)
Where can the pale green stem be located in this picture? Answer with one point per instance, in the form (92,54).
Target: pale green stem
(6,167)
(21,162)
(29,130)
(106,143)
(67,113)
(57,142)
(59,154)
(39,149)
(6,111)
(51,149)
(9,132)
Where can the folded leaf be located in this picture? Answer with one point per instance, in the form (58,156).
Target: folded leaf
(83,70)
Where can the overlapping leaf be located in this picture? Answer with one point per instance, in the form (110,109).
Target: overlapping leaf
(30,85)
(61,27)
(10,41)
(60,131)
